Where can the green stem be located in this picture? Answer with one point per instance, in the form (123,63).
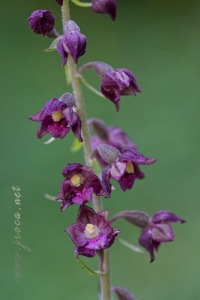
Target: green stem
(78,95)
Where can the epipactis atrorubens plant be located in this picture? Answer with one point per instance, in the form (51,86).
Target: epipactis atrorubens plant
(109,150)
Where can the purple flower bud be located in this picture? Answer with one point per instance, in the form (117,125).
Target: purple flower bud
(111,135)
(68,99)
(91,232)
(158,231)
(124,169)
(41,21)
(60,2)
(119,82)
(107,153)
(115,82)
(56,118)
(105,7)
(72,42)
(121,293)
(79,185)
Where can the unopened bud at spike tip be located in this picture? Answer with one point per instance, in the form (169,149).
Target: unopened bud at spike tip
(108,7)
(41,21)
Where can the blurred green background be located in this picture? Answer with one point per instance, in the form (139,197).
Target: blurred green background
(159,42)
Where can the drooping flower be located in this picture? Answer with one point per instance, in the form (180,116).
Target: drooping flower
(155,229)
(105,7)
(158,231)
(79,185)
(91,232)
(110,135)
(121,293)
(41,21)
(71,43)
(119,82)
(60,2)
(57,117)
(124,167)
(115,83)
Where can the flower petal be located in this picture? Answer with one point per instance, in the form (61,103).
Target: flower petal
(74,121)
(162,233)
(106,179)
(117,170)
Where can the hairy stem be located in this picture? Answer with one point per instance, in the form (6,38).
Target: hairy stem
(78,95)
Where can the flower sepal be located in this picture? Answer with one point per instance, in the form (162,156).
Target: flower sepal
(121,293)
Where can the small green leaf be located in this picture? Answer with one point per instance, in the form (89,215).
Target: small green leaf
(86,269)
(76,146)
(131,246)
(52,47)
(96,167)
(82,4)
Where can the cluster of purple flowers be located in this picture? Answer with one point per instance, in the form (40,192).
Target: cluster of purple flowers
(117,155)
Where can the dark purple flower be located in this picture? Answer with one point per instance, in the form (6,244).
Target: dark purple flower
(60,2)
(124,167)
(91,232)
(57,116)
(79,185)
(105,7)
(72,42)
(158,230)
(111,135)
(119,82)
(155,229)
(115,82)
(41,21)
